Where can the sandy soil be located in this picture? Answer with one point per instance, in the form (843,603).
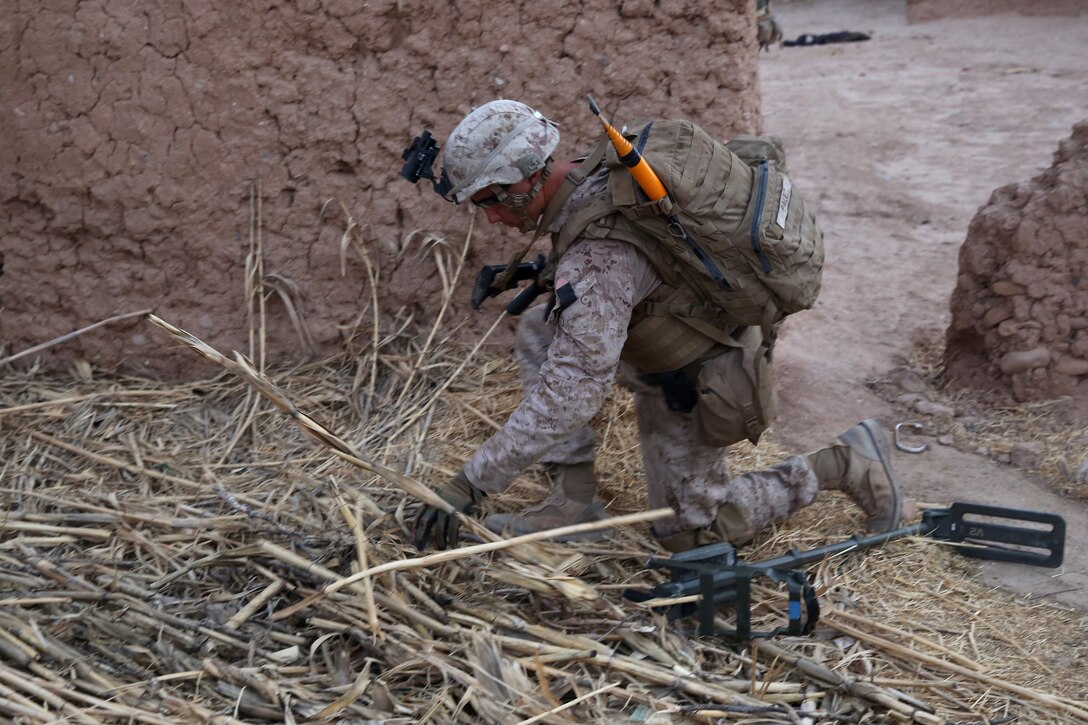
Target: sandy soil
(898,141)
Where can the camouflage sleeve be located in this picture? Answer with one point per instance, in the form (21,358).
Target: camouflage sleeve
(581,364)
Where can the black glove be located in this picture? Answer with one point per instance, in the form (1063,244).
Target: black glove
(443,527)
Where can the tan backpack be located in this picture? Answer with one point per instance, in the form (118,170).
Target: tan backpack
(739,205)
(758,255)
(761,253)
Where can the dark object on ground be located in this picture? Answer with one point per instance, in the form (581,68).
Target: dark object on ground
(843,36)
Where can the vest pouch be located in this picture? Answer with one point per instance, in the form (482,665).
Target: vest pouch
(736,393)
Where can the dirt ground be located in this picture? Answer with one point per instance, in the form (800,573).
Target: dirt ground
(898,141)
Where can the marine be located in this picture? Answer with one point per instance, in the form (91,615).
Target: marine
(608,278)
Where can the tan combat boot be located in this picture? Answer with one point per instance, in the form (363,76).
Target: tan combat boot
(570,502)
(860,464)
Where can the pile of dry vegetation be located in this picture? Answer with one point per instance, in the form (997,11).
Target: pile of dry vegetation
(178,553)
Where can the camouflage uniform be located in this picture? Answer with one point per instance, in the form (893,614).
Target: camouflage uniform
(568,362)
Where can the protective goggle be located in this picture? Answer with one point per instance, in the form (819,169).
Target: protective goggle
(498,196)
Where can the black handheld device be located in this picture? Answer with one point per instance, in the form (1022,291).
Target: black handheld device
(485,284)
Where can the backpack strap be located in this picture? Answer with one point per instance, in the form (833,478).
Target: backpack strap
(769,325)
(579,223)
(573,180)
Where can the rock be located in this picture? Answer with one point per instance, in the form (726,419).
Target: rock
(911,382)
(946,440)
(1026,455)
(1019,361)
(928,407)
(1008,328)
(1071,366)
(1004,458)
(995,316)
(1007,289)
(1081,476)
(909,399)
(982,451)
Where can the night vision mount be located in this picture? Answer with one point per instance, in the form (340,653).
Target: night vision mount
(419,164)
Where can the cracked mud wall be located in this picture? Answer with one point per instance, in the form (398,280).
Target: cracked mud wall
(1020,307)
(147,139)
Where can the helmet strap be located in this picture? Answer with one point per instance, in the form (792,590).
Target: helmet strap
(517,202)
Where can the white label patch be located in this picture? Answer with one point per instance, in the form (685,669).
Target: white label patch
(784,202)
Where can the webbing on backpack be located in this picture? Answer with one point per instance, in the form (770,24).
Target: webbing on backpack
(743,214)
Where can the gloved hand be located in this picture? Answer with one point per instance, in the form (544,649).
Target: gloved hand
(441,526)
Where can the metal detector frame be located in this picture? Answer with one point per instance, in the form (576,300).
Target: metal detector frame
(716,574)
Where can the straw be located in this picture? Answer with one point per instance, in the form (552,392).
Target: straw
(158,567)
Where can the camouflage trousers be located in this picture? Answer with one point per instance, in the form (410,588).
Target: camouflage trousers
(681,473)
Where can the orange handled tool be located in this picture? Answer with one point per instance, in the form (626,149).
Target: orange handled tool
(631,158)
(653,188)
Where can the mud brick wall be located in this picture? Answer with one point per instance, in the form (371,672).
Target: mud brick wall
(147,141)
(1020,307)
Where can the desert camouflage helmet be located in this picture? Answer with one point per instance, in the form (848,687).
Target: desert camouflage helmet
(501,142)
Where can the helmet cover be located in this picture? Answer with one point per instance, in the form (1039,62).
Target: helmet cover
(501,142)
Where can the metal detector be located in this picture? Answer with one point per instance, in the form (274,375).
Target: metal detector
(718,577)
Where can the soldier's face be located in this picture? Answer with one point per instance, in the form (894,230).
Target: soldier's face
(498,213)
